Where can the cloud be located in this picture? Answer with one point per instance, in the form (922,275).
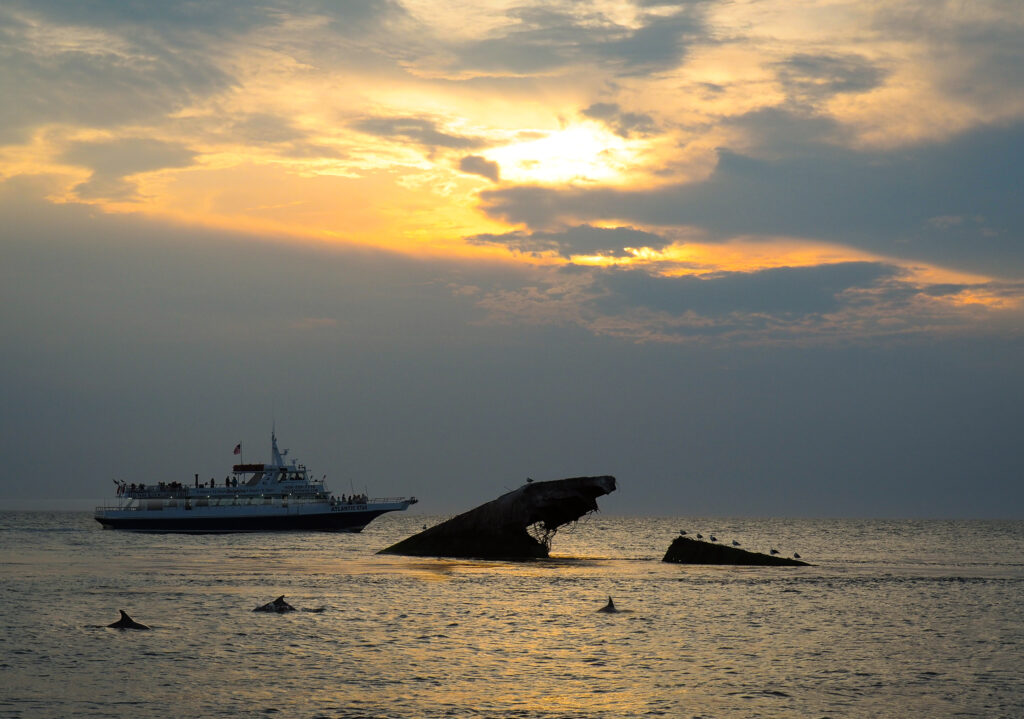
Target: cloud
(113,161)
(659,44)
(476,165)
(873,303)
(542,40)
(264,127)
(781,291)
(96,74)
(107,64)
(579,240)
(971,54)
(809,78)
(416,130)
(623,124)
(882,202)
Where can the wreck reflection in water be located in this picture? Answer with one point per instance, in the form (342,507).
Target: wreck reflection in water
(893,618)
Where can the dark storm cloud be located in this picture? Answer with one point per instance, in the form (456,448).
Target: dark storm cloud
(416,130)
(112,161)
(880,201)
(623,124)
(778,291)
(582,239)
(476,165)
(544,39)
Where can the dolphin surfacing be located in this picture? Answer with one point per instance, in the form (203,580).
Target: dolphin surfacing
(126,622)
(609,608)
(279,605)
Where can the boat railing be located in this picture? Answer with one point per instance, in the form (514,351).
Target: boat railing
(216,500)
(228,498)
(391,500)
(156,493)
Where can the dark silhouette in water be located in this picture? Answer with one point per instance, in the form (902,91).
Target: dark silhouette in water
(689,551)
(609,608)
(516,525)
(126,622)
(279,605)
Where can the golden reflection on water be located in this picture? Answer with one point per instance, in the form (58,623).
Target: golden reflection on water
(891,619)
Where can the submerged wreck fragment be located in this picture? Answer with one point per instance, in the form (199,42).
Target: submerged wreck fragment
(516,525)
(691,551)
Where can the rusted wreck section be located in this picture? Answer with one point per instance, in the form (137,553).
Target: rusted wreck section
(517,525)
(691,551)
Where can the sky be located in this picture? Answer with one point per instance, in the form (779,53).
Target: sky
(753,258)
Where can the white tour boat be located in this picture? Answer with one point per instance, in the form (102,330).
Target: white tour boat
(256,497)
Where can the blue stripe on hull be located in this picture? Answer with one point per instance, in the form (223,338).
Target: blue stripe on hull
(327,522)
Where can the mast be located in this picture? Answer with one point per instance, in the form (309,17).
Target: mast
(275,455)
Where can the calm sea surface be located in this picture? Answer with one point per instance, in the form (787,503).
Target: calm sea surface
(896,618)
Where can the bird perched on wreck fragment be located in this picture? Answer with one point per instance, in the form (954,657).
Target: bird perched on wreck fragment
(796,555)
(700,536)
(735,543)
(713,538)
(774,551)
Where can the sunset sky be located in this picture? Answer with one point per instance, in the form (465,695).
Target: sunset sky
(752,257)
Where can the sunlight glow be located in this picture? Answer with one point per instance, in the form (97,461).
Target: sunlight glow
(582,154)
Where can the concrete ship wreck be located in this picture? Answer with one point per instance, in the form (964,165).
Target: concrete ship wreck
(684,550)
(516,525)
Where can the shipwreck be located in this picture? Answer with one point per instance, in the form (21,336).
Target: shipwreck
(516,525)
(684,550)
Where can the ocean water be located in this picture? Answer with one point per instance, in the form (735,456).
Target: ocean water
(895,618)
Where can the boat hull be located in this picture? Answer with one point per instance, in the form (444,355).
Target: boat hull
(350,521)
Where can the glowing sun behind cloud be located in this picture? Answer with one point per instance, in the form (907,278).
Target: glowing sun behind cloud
(585,153)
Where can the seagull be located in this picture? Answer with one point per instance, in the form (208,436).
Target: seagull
(713,538)
(796,556)
(735,543)
(700,536)
(682,532)
(774,551)
(529,480)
